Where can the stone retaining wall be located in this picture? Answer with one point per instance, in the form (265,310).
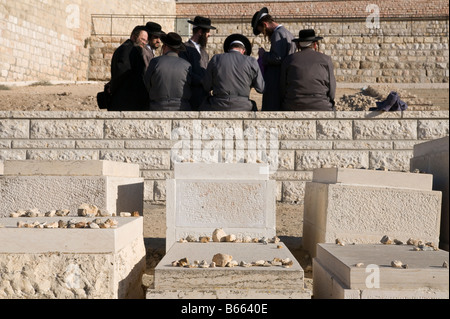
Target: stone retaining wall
(403,52)
(308,8)
(49,40)
(306,140)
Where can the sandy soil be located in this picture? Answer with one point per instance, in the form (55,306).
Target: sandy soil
(82,97)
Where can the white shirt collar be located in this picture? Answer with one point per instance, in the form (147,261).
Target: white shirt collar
(197,46)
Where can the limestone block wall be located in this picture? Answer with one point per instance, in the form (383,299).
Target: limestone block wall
(410,43)
(400,41)
(305,141)
(308,8)
(49,40)
(422,57)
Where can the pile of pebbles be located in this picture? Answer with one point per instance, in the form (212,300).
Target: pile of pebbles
(219,235)
(418,245)
(73,223)
(224,260)
(84,210)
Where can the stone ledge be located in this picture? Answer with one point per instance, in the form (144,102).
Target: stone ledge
(222,115)
(70,168)
(32,240)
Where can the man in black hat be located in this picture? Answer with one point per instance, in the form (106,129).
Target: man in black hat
(168,77)
(281,47)
(231,76)
(197,56)
(154,31)
(127,87)
(307,77)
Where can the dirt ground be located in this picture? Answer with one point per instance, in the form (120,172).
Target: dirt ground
(43,96)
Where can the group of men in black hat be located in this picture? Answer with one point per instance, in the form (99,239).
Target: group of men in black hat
(184,78)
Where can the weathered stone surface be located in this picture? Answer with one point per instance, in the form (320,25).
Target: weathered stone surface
(99,144)
(199,203)
(160,190)
(337,275)
(358,145)
(432,129)
(12,155)
(147,159)
(198,210)
(433,157)
(149,190)
(72,275)
(293,191)
(385,129)
(66,129)
(46,144)
(62,155)
(60,192)
(391,160)
(309,160)
(144,129)
(149,144)
(286,130)
(306,145)
(14,128)
(335,130)
(363,214)
(208,129)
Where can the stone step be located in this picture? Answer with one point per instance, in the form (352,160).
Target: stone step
(218,282)
(336,274)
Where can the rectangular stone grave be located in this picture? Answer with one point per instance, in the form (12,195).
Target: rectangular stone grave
(361,206)
(238,282)
(433,158)
(66,263)
(202,197)
(365,272)
(53,185)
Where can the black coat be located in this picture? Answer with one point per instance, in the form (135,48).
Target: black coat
(307,82)
(199,64)
(127,79)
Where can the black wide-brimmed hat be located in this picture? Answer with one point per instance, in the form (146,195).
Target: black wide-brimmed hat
(307,35)
(256,17)
(154,29)
(239,38)
(173,40)
(202,22)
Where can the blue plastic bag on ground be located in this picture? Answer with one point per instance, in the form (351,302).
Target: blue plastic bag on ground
(392,103)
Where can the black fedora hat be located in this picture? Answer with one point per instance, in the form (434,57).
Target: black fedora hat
(154,29)
(307,35)
(173,40)
(256,17)
(240,39)
(202,22)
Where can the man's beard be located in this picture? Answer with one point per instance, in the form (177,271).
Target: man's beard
(203,41)
(267,33)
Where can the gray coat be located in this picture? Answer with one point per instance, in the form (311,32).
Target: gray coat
(199,62)
(231,76)
(147,54)
(281,47)
(168,80)
(307,82)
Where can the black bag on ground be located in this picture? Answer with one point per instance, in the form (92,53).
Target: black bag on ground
(104,98)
